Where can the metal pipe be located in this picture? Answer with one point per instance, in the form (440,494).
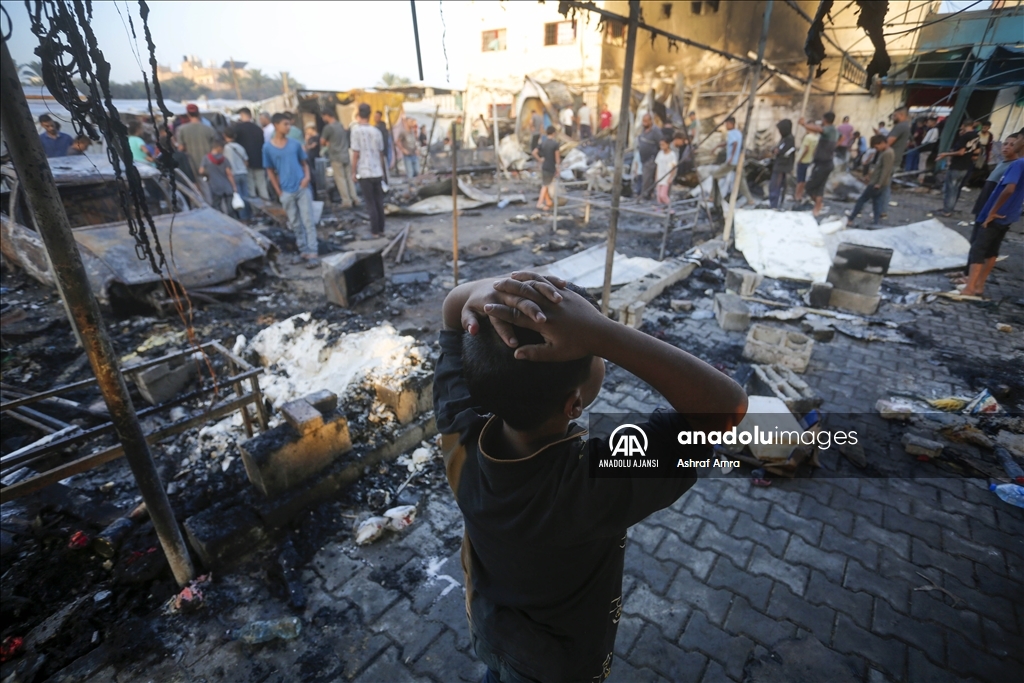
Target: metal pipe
(416,36)
(620,150)
(455,202)
(26,150)
(727,231)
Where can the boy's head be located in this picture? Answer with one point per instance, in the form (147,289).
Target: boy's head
(730,123)
(81,143)
(879,142)
(229,134)
(679,140)
(217,146)
(282,123)
(829,118)
(551,130)
(245,114)
(1010,147)
(363,112)
(526,394)
(966,126)
(135,127)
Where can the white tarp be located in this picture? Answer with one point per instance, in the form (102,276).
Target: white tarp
(783,244)
(791,244)
(586,268)
(916,248)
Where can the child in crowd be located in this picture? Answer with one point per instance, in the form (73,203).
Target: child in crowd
(238,159)
(217,170)
(544,546)
(665,167)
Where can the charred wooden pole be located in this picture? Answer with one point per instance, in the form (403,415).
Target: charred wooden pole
(455,203)
(45,204)
(727,232)
(416,36)
(620,150)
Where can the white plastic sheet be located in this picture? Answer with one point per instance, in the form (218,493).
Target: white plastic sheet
(586,269)
(916,248)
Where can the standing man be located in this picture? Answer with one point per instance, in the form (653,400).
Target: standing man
(288,171)
(982,148)
(55,143)
(959,165)
(547,152)
(733,144)
(536,129)
(929,143)
(648,143)
(407,146)
(369,162)
(1002,210)
(605,118)
(250,137)
(804,159)
(565,117)
(584,117)
(196,140)
(335,138)
(782,165)
(823,163)
(845,130)
(878,178)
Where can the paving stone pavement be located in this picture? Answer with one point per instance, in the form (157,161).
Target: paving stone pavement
(868,566)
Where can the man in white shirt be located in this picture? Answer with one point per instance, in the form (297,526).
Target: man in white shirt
(268,127)
(584,117)
(565,117)
(367,146)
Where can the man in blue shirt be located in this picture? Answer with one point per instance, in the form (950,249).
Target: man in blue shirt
(285,162)
(1001,210)
(733,144)
(55,143)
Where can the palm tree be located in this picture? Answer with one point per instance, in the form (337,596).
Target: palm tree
(394,80)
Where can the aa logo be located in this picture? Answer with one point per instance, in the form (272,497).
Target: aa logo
(628,440)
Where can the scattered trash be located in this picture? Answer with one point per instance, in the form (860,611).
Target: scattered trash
(188,599)
(417,461)
(983,403)
(1003,327)
(759,477)
(1013,469)
(949,404)
(253,633)
(110,539)
(370,530)
(287,570)
(924,449)
(1010,493)
(11,647)
(401,517)
(102,598)
(78,541)
(894,409)
(681,305)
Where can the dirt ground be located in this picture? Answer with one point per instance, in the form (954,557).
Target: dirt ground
(104,617)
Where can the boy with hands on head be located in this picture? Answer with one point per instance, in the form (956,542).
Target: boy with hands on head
(544,545)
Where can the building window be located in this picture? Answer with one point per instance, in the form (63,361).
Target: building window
(493,41)
(560,33)
(666,10)
(705,7)
(614,32)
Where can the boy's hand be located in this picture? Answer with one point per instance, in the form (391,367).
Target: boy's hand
(520,304)
(569,329)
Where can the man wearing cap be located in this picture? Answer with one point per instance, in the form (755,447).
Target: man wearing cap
(55,143)
(196,140)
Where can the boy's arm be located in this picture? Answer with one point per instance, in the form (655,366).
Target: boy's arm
(813,127)
(573,328)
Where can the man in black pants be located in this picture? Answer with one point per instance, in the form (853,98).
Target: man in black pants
(368,163)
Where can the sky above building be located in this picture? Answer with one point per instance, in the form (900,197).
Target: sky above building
(324,45)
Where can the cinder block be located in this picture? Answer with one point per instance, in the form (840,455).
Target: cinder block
(819,330)
(731,312)
(783,383)
(634,314)
(742,281)
(302,416)
(164,381)
(774,346)
(770,415)
(408,397)
(678,305)
(820,294)
(868,259)
(284,456)
(856,281)
(919,446)
(348,273)
(648,287)
(853,302)
(325,401)
(222,536)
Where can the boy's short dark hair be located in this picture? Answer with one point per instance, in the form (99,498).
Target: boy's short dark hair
(829,117)
(731,119)
(244,110)
(45,118)
(551,130)
(279,117)
(877,139)
(230,133)
(364,111)
(524,394)
(134,127)
(679,136)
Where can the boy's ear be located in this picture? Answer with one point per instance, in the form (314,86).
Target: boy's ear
(573,406)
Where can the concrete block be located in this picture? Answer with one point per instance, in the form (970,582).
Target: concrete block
(731,312)
(785,385)
(678,305)
(856,281)
(634,314)
(285,456)
(648,287)
(407,397)
(164,381)
(222,536)
(302,416)
(348,273)
(921,447)
(325,401)
(742,281)
(770,415)
(868,259)
(894,410)
(853,302)
(773,346)
(820,293)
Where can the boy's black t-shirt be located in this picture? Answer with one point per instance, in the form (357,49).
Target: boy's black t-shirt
(545,543)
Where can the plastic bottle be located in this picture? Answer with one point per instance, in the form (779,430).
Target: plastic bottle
(1013,470)
(287,628)
(1011,493)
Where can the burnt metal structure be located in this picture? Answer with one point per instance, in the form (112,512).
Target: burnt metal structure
(29,158)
